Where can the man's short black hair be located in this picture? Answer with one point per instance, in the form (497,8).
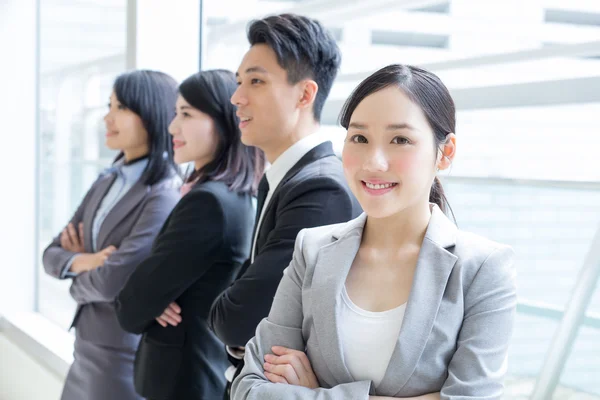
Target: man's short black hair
(304,48)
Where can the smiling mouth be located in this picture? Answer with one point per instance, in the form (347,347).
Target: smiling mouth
(379,186)
(244,122)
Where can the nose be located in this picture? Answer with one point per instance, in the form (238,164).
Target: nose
(238,97)
(174,127)
(108,119)
(376,161)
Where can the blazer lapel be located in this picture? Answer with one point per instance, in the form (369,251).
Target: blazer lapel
(321,151)
(122,209)
(331,269)
(434,265)
(90,211)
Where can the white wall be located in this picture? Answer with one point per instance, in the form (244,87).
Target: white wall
(22,378)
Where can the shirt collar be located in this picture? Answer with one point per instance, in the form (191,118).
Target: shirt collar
(132,172)
(290,157)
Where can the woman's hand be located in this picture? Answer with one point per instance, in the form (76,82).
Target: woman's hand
(171,316)
(87,262)
(71,240)
(291,367)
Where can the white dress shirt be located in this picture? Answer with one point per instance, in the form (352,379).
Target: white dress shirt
(281,166)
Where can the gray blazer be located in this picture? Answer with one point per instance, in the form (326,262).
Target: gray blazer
(454,337)
(131,226)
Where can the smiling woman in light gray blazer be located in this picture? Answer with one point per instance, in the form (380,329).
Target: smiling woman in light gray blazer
(397,303)
(112,231)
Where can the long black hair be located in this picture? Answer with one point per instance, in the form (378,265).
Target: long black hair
(424,89)
(151,95)
(240,167)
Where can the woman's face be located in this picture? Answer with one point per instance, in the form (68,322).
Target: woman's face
(194,136)
(389,154)
(124,129)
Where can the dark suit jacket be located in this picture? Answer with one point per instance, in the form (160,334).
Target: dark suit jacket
(131,226)
(196,255)
(313,193)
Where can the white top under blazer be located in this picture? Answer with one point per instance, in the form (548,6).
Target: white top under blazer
(368,338)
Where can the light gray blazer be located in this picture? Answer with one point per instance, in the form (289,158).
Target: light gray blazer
(131,226)
(454,337)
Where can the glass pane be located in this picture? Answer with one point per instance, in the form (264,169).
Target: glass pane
(82,49)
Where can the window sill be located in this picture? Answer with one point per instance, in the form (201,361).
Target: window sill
(42,340)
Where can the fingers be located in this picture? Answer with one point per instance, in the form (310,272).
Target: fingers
(73,235)
(292,360)
(161,322)
(108,251)
(175,307)
(103,254)
(285,371)
(64,240)
(172,315)
(81,233)
(299,355)
(275,378)
(165,318)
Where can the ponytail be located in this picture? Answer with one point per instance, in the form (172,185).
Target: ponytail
(438,197)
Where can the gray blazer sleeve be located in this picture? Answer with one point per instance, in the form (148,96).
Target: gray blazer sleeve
(283,327)
(55,258)
(478,366)
(104,283)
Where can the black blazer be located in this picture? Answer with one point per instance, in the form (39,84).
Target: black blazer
(196,255)
(313,193)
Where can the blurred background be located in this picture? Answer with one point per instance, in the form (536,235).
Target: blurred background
(525,76)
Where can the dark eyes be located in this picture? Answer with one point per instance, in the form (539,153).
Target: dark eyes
(358,139)
(395,140)
(400,140)
(120,106)
(253,81)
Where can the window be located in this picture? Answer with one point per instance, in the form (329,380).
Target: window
(82,50)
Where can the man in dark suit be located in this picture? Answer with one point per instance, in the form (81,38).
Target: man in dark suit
(283,82)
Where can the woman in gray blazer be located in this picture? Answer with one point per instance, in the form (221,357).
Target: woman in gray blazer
(397,303)
(112,231)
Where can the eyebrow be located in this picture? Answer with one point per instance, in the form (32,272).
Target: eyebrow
(249,70)
(185,107)
(390,127)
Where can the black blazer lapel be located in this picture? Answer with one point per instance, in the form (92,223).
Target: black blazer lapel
(321,151)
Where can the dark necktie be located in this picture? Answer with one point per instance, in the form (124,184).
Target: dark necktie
(263,190)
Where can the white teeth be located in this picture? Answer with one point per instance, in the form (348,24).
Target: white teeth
(379,187)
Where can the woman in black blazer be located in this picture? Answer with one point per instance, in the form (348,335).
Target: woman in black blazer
(198,251)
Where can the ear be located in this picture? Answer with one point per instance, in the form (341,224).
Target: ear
(308,93)
(447,152)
